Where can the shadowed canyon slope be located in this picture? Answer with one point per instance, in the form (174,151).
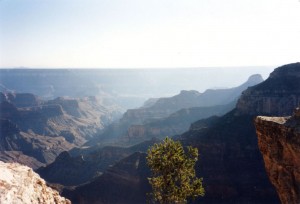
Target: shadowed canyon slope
(279,143)
(125,182)
(83,165)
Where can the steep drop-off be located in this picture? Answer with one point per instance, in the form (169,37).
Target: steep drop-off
(279,143)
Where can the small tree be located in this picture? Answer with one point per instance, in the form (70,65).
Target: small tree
(174,179)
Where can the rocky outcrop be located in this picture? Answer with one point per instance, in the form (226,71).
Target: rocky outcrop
(19,184)
(279,143)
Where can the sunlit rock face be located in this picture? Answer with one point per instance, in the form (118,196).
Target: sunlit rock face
(278,95)
(279,143)
(19,184)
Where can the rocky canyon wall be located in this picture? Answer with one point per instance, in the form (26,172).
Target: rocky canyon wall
(279,143)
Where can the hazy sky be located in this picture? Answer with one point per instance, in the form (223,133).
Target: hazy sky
(148,33)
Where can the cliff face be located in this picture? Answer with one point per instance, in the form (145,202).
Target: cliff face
(279,143)
(19,184)
(277,96)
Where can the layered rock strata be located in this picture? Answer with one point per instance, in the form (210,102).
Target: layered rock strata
(279,143)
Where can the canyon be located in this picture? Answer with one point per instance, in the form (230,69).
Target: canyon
(230,160)
(103,166)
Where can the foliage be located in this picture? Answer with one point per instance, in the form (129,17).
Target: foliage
(174,179)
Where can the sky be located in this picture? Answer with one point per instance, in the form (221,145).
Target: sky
(148,33)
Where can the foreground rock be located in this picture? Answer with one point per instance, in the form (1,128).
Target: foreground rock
(19,184)
(279,143)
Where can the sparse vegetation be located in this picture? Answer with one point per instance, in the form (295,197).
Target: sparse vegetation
(173,174)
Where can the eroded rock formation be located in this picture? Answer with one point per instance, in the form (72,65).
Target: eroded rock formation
(279,143)
(19,184)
